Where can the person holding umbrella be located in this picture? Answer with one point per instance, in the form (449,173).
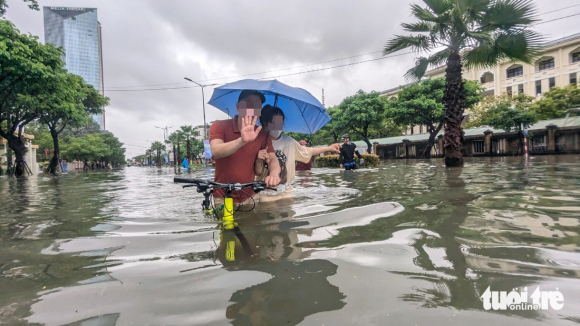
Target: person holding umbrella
(235,144)
(347,152)
(288,151)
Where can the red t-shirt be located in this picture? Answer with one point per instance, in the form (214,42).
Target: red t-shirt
(238,167)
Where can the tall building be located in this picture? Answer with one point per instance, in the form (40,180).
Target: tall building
(558,65)
(78,32)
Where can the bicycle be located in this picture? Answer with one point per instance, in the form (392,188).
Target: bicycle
(206,187)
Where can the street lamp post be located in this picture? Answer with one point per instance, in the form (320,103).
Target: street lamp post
(203,103)
(165,131)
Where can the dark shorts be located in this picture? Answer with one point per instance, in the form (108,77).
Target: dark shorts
(350,166)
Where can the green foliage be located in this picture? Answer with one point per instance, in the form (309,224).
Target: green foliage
(28,69)
(507,118)
(3,5)
(504,112)
(361,113)
(332,161)
(489,31)
(422,103)
(557,101)
(90,147)
(117,153)
(77,130)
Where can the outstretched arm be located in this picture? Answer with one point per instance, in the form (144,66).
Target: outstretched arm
(332,148)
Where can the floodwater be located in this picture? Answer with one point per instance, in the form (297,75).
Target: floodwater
(407,243)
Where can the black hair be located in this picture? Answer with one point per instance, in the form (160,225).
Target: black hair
(268,113)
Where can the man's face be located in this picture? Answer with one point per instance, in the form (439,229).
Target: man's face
(346,140)
(277,123)
(250,106)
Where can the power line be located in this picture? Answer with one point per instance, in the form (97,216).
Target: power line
(292,74)
(308,65)
(549,12)
(340,66)
(258,73)
(548,21)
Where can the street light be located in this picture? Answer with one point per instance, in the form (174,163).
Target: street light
(203,102)
(165,131)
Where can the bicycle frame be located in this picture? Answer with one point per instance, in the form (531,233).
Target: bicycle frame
(228,224)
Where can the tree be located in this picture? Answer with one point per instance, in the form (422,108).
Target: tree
(33,5)
(42,139)
(361,113)
(27,69)
(116,155)
(188,133)
(177,138)
(86,148)
(71,103)
(422,104)
(89,127)
(510,118)
(474,34)
(148,155)
(557,101)
(158,147)
(480,114)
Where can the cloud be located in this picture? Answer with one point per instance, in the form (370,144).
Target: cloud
(147,42)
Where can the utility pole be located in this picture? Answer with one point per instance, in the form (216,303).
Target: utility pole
(323,97)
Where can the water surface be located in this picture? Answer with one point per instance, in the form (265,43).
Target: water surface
(410,243)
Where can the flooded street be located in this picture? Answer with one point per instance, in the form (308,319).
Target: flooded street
(407,243)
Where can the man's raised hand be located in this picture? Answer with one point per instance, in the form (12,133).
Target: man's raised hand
(248,133)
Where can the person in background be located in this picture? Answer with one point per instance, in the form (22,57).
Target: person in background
(347,152)
(304,166)
(287,150)
(235,144)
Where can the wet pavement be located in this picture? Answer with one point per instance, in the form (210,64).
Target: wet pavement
(407,243)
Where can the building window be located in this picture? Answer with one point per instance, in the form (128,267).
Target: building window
(499,146)
(576,57)
(487,77)
(552,82)
(539,143)
(515,72)
(538,87)
(478,147)
(520,88)
(399,151)
(412,127)
(420,129)
(509,91)
(573,79)
(547,64)
(412,151)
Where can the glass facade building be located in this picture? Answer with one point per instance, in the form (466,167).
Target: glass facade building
(78,32)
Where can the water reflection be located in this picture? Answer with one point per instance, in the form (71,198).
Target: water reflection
(406,243)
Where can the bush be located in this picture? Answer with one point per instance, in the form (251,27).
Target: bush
(331,161)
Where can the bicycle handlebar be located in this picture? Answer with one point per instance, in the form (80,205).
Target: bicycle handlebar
(257,185)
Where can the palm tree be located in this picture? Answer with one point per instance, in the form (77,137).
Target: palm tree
(470,33)
(148,154)
(158,147)
(177,137)
(188,132)
(173,140)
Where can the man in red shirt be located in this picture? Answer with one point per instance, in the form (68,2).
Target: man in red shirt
(235,144)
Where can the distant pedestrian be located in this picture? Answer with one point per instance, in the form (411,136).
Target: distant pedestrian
(347,152)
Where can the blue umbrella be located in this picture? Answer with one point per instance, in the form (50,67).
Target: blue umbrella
(304,113)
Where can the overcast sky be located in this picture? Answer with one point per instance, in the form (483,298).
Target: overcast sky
(153,42)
